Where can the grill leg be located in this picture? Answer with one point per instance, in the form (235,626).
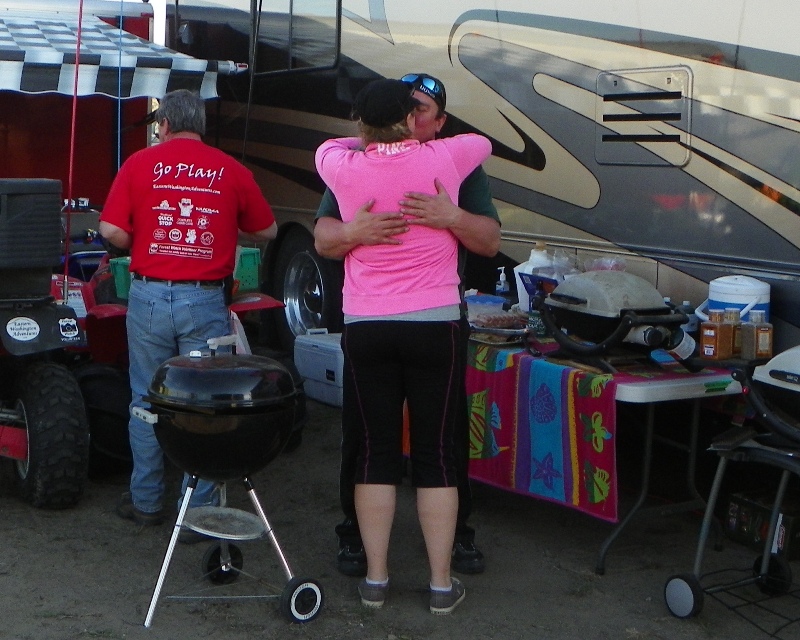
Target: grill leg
(170,550)
(268,528)
(708,515)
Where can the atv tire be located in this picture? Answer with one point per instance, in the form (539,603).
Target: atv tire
(106,392)
(55,472)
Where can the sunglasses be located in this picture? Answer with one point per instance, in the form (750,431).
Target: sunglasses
(427,85)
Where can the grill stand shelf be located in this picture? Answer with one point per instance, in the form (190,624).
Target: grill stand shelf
(301,599)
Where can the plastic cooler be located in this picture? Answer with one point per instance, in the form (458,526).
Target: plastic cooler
(319,360)
(739,292)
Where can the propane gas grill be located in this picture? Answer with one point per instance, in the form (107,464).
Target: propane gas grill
(591,313)
(223,417)
(773,391)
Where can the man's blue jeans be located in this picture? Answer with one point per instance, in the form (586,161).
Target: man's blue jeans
(163,321)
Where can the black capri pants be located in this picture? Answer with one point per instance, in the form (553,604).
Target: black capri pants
(389,362)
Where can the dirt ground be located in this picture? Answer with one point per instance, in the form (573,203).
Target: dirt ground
(85,573)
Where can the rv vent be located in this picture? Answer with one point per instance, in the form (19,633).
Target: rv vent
(643,117)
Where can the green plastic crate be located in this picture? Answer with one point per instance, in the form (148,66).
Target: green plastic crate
(120,269)
(248,269)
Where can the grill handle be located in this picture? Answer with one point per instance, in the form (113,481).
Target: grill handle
(766,415)
(567,299)
(143,414)
(222,341)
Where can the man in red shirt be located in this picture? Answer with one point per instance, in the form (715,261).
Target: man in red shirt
(180,207)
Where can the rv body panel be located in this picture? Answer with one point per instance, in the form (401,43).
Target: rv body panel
(669,134)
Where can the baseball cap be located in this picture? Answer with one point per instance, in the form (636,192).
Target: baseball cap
(430,86)
(384,102)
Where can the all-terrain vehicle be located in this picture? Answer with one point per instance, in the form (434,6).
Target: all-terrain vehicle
(43,424)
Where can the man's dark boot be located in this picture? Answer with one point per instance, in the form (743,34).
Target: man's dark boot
(467,558)
(351,559)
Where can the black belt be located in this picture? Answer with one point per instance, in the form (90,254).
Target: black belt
(194,283)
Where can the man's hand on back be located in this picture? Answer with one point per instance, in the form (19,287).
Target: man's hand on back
(335,239)
(437,211)
(375,228)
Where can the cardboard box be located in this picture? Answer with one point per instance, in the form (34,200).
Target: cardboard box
(319,360)
(747,521)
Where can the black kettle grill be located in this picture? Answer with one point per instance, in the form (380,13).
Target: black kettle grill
(223,417)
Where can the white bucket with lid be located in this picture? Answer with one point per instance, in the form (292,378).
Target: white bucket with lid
(740,292)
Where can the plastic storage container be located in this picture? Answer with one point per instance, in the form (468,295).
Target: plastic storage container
(757,337)
(483,304)
(716,337)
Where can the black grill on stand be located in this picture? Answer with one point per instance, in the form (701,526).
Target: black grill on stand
(773,391)
(223,417)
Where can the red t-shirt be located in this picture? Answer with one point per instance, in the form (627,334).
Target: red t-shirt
(184,202)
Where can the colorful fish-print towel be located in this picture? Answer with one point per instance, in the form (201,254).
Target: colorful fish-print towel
(543,429)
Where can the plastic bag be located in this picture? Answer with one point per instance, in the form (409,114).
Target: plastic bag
(605,263)
(242,345)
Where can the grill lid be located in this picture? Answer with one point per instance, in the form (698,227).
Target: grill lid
(782,371)
(203,381)
(606,294)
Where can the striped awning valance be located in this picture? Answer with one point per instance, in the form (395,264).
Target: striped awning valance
(38,55)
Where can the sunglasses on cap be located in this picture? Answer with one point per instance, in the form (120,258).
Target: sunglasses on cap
(431,87)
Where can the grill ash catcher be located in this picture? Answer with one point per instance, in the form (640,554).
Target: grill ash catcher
(223,417)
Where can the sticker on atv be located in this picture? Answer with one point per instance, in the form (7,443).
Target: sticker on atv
(23,329)
(68,327)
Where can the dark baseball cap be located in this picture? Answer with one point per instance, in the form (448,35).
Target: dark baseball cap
(430,86)
(384,102)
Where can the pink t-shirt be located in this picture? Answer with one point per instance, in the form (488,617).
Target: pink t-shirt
(422,272)
(184,203)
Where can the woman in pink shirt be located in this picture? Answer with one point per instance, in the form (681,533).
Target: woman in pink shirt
(401,334)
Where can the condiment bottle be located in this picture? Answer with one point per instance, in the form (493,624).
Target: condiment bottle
(681,346)
(734,318)
(716,337)
(756,336)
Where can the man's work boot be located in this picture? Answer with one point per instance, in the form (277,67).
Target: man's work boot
(467,558)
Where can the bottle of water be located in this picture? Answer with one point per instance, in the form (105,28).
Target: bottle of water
(692,325)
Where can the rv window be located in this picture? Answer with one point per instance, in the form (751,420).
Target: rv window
(296,34)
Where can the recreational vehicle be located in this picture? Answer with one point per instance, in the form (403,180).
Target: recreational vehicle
(664,133)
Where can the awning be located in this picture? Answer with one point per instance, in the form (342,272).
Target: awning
(37,55)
